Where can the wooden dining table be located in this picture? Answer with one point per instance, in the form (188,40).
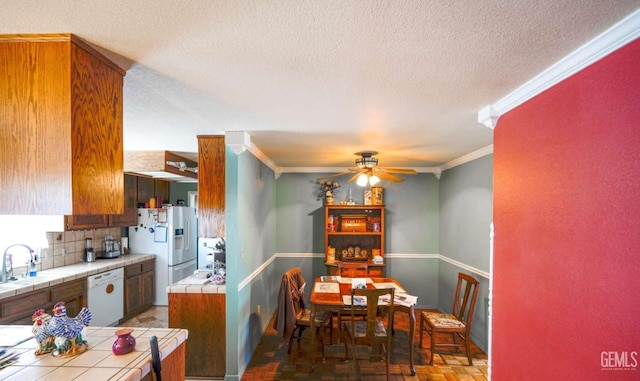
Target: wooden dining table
(334,301)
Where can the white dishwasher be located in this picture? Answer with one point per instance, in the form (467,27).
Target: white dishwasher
(105,297)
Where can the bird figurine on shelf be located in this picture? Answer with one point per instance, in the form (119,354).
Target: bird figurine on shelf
(68,331)
(41,332)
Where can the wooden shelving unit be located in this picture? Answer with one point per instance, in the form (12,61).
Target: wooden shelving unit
(354,233)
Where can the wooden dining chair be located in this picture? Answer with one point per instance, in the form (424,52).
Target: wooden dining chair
(291,298)
(351,270)
(373,331)
(156,363)
(457,323)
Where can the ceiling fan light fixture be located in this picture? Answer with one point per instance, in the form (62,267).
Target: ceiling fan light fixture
(366,162)
(363,179)
(373,180)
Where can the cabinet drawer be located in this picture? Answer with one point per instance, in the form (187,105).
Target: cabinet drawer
(148,266)
(20,305)
(68,290)
(133,270)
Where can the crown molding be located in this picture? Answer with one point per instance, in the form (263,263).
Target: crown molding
(343,169)
(484,151)
(240,141)
(617,36)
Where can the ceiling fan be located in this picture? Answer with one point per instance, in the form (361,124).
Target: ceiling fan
(368,172)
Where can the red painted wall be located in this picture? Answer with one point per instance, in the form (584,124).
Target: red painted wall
(567,229)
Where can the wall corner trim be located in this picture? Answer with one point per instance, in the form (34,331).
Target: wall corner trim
(240,141)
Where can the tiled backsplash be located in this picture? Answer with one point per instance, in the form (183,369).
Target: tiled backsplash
(67,248)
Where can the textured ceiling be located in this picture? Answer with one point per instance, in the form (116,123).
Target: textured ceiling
(313,82)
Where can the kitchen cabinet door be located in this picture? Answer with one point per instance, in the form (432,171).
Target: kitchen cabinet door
(130,215)
(89,221)
(146,189)
(61,148)
(211,186)
(148,288)
(132,296)
(162,190)
(139,286)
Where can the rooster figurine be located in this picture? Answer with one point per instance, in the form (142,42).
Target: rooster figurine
(68,331)
(41,332)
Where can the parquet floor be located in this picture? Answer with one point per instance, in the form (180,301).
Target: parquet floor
(271,362)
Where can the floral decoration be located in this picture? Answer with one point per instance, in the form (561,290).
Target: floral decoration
(328,189)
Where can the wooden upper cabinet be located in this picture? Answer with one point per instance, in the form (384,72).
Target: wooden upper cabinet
(146,189)
(211,186)
(162,190)
(130,215)
(149,187)
(86,221)
(61,127)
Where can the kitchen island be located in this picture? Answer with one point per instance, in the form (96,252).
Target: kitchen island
(99,363)
(200,307)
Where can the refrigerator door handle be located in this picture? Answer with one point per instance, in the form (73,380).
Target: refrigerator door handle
(187,228)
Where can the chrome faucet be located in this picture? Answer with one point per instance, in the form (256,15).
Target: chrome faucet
(7,265)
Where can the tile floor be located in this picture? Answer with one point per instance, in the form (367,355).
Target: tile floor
(155,317)
(271,362)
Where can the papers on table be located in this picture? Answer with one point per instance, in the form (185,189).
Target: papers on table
(404,299)
(389,285)
(350,280)
(333,288)
(329,278)
(358,300)
(399,299)
(8,356)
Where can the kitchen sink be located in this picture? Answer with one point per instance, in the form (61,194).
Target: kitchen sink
(20,282)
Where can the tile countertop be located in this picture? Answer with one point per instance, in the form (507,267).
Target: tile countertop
(52,277)
(196,284)
(98,363)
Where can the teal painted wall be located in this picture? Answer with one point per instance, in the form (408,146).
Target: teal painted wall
(179,191)
(412,228)
(233,247)
(411,214)
(466,209)
(251,231)
(466,212)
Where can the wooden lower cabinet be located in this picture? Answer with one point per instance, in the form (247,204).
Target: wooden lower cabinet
(172,365)
(20,308)
(139,287)
(204,315)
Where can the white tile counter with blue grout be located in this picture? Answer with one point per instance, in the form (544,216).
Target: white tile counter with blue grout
(99,363)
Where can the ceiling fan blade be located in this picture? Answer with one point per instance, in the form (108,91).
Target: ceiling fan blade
(348,172)
(387,176)
(399,170)
(354,177)
(335,175)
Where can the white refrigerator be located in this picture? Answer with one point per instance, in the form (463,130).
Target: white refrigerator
(169,233)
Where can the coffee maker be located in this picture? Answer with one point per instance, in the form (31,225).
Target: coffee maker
(89,254)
